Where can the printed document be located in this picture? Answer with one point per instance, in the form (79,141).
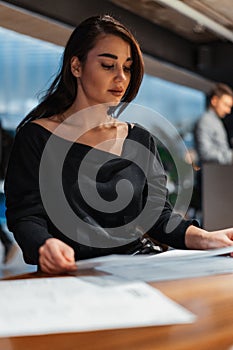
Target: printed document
(171,265)
(70,304)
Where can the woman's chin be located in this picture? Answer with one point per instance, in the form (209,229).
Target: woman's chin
(113,103)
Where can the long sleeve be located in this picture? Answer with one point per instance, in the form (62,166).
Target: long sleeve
(32,225)
(211,140)
(168,227)
(25,214)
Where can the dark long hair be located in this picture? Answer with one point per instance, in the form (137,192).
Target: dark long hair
(63,90)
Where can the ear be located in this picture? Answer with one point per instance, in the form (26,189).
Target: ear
(214,101)
(75,66)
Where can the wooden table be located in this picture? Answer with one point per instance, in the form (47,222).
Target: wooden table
(210,298)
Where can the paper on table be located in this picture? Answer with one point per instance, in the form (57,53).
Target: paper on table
(175,254)
(196,254)
(174,264)
(69,304)
(160,271)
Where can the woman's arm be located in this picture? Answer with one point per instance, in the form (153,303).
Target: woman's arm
(197,238)
(26,216)
(166,226)
(185,233)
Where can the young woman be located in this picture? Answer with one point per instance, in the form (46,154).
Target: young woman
(80,183)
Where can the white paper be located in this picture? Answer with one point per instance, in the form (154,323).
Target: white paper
(171,265)
(162,271)
(69,304)
(174,254)
(113,259)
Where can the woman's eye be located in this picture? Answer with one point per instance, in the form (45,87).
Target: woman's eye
(127,69)
(112,66)
(107,66)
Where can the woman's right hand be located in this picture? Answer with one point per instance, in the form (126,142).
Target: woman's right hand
(56,257)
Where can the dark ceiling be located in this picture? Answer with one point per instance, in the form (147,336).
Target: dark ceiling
(162,32)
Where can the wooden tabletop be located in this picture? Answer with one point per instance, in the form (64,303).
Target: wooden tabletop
(210,298)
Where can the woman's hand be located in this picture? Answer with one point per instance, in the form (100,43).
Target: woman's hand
(56,257)
(197,238)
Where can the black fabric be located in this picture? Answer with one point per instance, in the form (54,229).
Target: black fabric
(28,219)
(4,237)
(6,142)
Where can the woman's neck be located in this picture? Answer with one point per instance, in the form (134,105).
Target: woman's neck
(86,118)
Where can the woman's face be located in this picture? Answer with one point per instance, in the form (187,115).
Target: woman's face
(106,74)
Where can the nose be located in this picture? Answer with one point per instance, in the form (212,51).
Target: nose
(120,75)
(227,109)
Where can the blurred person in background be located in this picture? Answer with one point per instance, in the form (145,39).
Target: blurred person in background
(210,134)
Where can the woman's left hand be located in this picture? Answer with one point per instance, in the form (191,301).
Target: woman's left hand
(197,238)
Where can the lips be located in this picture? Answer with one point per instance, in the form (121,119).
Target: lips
(116,92)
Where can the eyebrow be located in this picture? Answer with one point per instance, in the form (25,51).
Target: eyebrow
(109,55)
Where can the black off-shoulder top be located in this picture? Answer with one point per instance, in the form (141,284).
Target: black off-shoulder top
(97,202)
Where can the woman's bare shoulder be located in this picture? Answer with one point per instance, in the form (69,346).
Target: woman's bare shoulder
(50,123)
